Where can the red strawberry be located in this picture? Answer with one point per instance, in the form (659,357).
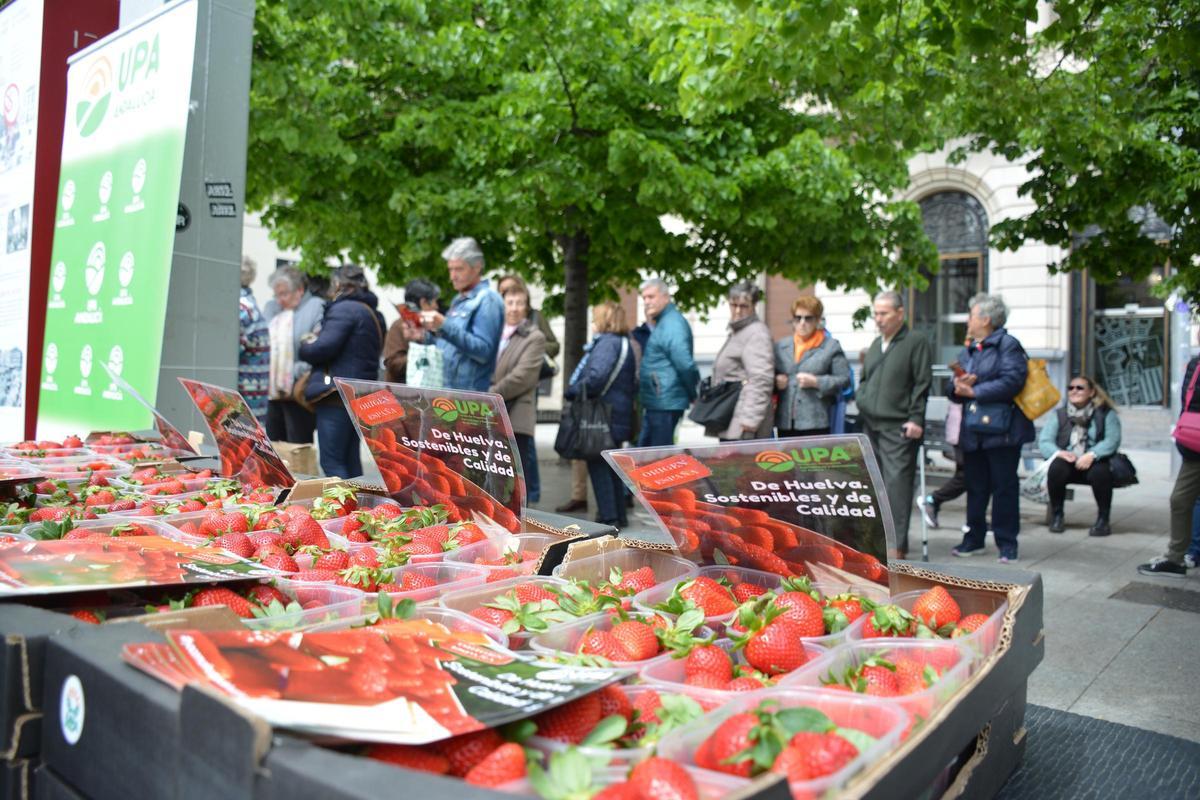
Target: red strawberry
(801,609)
(889,621)
(710,660)
(969,624)
(493,616)
(937,608)
(237,543)
(468,750)
(747,591)
(662,779)
(745,683)
(646,705)
(634,581)
(772,644)
(532,593)
(282,562)
(820,753)
(421,758)
(728,748)
(505,763)
(364,557)
(412,581)
(614,702)
(570,722)
(221,596)
(86,615)
(336,560)
(315,576)
(617,791)
(709,596)
(264,595)
(637,639)
(302,531)
(262,538)
(603,644)
(912,677)
(877,677)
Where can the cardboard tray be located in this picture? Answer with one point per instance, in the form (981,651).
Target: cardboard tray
(25,630)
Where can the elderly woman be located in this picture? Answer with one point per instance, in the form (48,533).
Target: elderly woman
(991,373)
(609,372)
(811,371)
(522,349)
(1078,441)
(254,346)
(292,313)
(348,345)
(745,358)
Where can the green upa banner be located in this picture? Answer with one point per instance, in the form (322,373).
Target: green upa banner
(127,107)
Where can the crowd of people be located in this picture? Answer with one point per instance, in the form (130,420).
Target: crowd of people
(494,340)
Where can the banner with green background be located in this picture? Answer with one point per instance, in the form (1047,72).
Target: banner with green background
(127,107)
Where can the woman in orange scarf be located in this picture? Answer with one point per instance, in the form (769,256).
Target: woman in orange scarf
(810,372)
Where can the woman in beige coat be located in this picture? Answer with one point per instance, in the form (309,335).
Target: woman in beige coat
(522,350)
(748,357)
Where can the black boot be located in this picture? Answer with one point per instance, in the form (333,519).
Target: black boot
(1056,521)
(1101,528)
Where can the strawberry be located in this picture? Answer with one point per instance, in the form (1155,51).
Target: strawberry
(745,683)
(221,596)
(464,752)
(842,610)
(284,563)
(728,748)
(969,624)
(336,560)
(364,557)
(912,676)
(875,676)
(634,581)
(617,791)
(936,608)
(418,757)
(103,498)
(709,596)
(532,593)
(493,616)
(601,643)
(265,595)
(315,576)
(506,763)
(646,705)
(570,722)
(662,779)
(412,581)
(775,648)
(237,543)
(86,615)
(220,522)
(301,531)
(811,755)
(747,591)
(889,621)
(708,660)
(614,702)
(802,610)
(637,639)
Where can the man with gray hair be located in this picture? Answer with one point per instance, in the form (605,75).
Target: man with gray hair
(891,396)
(468,335)
(668,377)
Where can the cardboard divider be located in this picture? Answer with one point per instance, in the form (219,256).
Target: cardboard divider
(26,631)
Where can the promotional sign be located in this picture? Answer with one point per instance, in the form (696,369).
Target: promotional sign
(20,72)
(71,565)
(169,435)
(242,444)
(408,682)
(438,446)
(779,505)
(127,106)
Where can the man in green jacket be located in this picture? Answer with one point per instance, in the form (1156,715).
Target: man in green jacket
(668,378)
(891,399)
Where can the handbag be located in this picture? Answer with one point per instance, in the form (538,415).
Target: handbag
(715,404)
(585,430)
(549,367)
(1035,486)
(1038,395)
(1187,427)
(309,392)
(987,417)
(1122,470)
(954,417)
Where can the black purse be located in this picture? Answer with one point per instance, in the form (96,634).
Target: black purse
(987,417)
(1122,470)
(585,429)
(715,404)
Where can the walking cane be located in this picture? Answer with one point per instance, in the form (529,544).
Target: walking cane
(924,529)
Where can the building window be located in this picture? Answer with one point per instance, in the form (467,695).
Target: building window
(1129,341)
(957,225)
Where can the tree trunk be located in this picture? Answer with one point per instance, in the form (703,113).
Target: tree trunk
(575,248)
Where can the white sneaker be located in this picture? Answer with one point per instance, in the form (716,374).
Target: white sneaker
(1190,561)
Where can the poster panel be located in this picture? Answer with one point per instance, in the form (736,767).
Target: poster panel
(780,505)
(169,435)
(242,444)
(127,106)
(439,446)
(20,74)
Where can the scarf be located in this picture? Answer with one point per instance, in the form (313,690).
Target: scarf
(283,355)
(802,346)
(1080,419)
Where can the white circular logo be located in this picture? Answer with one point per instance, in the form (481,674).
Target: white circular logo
(94,274)
(59,278)
(71,709)
(116,359)
(105,187)
(68,195)
(125,270)
(51,358)
(139,176)
(85,361)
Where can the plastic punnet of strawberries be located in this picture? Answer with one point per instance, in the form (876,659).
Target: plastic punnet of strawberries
(935,615)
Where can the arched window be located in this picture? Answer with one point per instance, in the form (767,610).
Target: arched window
(957,225)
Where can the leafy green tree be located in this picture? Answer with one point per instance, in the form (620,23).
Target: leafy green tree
(558,133)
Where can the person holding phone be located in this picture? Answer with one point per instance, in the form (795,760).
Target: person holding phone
(419,295)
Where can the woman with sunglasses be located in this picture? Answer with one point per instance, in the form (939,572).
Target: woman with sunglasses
(1078,441)
(810,372)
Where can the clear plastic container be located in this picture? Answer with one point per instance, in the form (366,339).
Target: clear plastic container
(320,603)
(152,526)
(449,577)
(597,568)
(467,600)
(177,521)
(39,455)
(565,638)
(918,705)
(871,591)
(15,470)
(972,601)
(80,469)
(154,451)
(647,600)
(879,719)
(147,489)
(709,785)
(668,671)
(530,545)
(452,620)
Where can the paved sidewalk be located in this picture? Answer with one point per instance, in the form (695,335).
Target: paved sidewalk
(1129,659)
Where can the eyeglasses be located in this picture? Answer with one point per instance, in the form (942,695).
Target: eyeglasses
(803,318)
(1077,387)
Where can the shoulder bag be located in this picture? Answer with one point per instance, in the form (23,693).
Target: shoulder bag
(1187,428)
(987,418)
(316,385)
(1119,466)
(715,404)
(585,430)
(1038,395)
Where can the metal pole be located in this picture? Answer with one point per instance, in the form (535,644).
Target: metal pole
(924,529)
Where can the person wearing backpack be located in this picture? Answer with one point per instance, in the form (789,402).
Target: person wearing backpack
(1079,440)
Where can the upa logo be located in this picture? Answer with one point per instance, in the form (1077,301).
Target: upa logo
(780,461)
(448,410)
(138,63)
(91,110)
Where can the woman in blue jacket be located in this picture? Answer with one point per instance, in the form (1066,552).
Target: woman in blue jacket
(348,345)
(1078,441)
(994,368)
(608,371)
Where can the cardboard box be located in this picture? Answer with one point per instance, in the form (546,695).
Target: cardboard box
(25,630)
(301,459)
(16,779)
